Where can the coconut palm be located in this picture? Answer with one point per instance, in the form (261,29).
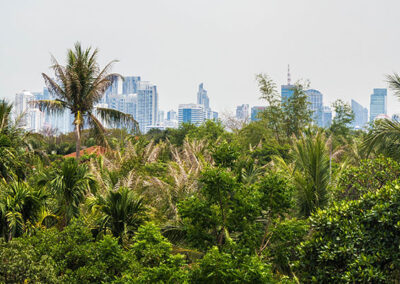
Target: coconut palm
(120,211)
(79,87)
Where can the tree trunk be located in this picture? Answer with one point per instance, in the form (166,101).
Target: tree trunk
(78,141)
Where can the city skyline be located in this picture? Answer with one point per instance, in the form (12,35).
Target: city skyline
(219,44)
(140,99)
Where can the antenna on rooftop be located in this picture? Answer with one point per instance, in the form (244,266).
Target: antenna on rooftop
(288,74)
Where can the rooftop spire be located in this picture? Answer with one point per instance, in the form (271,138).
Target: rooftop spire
(288,74)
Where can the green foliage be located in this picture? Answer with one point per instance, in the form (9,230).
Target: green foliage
(225,154)
(312,178)
(21,263)
(343,117)
(285,236)
(383,138)
(220,267)
(209,130)
(177,136)
(369,176)
(119,211)
(155,261)
(224,210)
(69,183)
(286,118)
(20,206)
(354,241)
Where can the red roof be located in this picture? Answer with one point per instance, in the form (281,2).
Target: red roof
(97,150)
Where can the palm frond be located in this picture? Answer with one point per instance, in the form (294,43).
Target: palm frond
(51,106)
(394,83)
(114,117)
(385,136)
(97,130)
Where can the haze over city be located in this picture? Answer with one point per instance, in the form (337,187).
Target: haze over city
(345,48)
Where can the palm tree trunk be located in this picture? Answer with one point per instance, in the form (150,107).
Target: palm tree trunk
(78,140)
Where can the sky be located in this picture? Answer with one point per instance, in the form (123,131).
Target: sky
(345,48)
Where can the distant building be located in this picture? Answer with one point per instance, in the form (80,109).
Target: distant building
(327,117)
(315,99)
(202,97)
(242,112)
(161,117)
(215,115)
(287,90)
(129,85)
(191,113)
(21,106)
(30,117)
(255,110)
(360,115)
(378,103)
(171,115)
(147,105)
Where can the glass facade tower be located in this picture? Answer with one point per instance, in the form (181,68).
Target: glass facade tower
(378,103)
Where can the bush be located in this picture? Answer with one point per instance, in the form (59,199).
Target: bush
(221,267)
(355,241)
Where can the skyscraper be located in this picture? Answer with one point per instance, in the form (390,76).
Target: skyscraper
(378,103)
(287,90)
(315,99)
(21,107)
(192,113)
(129,85)
(360,115)
(30,117)
(242,112)
(147,105)
(202,98)
(327,121)
(255,110)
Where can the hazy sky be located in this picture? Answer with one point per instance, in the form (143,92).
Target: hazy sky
(344,47)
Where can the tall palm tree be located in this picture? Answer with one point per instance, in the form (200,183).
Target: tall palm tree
(79,87)
(121,211)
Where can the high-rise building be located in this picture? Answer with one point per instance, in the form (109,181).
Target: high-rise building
(147,105)
(287,90)
(327,117)
(191,113)
(21,108)
(129,85)
(171,115)
(255,110)
(115,88)
(360,115)
(315,99)
(378,103)
(30,117)
(202,98)
(242,112)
